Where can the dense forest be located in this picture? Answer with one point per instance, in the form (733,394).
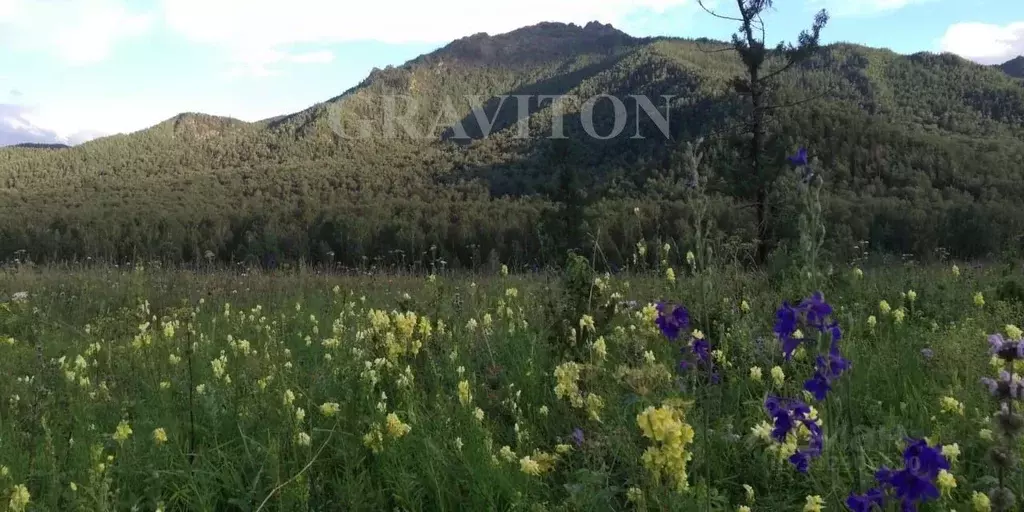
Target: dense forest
(920,154)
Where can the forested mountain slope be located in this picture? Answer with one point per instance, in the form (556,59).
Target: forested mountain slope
(918,152)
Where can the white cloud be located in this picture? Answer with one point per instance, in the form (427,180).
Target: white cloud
(858,8)
(985,43)
(258,62)
(77,31)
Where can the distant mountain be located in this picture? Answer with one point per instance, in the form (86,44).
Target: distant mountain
(919,152)
(30,145)
(1014,67)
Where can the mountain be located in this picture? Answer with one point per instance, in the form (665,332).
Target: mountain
(1014,67)
(920,153)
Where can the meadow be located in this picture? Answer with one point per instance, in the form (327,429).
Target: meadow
(149,389)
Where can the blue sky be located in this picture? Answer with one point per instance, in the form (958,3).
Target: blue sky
(75,69)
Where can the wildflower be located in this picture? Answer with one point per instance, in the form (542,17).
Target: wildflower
(594,406)
(563,448)
(755,373)
(395,427)
(458,444)
(20,498)
(884,307)
(979,299)
(670,275)
(791,421)
(1013,332)
(814,504)
(745,306)
(911,295)
(750,492)
(858,273)
(464,395)
(691,260)
(330,409)
(529,466)
(945,481)
(872,321)
(951,451)
(478,413)
(507,453)
(634,494)
(577,436)
(898,315)
(916,482)
(980,502)
(303,439)
(504,270)
(956,271)
(985,434)
(543,410)
(123,432)
(778,376)
(600,348)
(743,508)
(587,323)
(799,159)
(867,502)
(159,436)
(289,397)
(951,405)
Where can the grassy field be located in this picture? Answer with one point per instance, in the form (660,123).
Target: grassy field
(153,389)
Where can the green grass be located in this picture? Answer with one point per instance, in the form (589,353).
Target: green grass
(236,446)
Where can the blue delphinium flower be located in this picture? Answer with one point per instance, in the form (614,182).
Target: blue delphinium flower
(672,322)
(912,485)
(788,414)
(812,313)
(799,159)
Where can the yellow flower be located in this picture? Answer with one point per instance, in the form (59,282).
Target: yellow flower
(507,453)
(956,271)
(778,376)
(911,295)
(478,413)
(980,502)
(750,492)
(745,306)
(1013,332)
(884,307)
(946,481)
(20,498)
(600,348)
(587,323)
(634,494)
(504,270)
(755,373)
(951,451)
(858,273)
(330,409)
(465,397)
(563,448)
(743,508)
(303,439)
(529,466)
(123,432)
(690,258)
(395,427)
(159,436)
(872,321)
(951,405)
(985,434)
(899,315)
(814,504)
(979,299)
(670,275)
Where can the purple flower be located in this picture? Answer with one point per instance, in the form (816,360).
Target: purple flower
(672,323)
(577,436)
(873,499)
(799,159)
(787,415)
(818,386)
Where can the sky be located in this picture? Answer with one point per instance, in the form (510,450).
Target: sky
(74,70)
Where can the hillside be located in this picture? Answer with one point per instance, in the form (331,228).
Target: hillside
(920,152)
